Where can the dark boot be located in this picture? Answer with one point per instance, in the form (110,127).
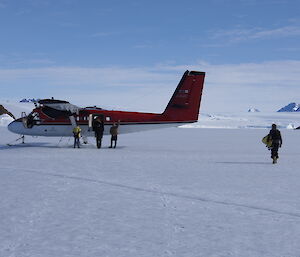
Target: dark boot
(98,144)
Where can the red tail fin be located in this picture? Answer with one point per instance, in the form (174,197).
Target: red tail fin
(185,102)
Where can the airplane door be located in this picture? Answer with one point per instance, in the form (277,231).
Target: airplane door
(90,121)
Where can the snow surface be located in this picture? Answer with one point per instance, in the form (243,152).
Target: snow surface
(172,192)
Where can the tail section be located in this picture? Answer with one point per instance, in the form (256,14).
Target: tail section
(185,102)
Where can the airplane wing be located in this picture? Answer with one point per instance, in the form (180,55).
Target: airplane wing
(60,105)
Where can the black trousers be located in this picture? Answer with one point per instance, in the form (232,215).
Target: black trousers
(99,141)
(99,135)
(76,142)
(114,139)
(274,150)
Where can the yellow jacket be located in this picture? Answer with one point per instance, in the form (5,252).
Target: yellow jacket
(77,131)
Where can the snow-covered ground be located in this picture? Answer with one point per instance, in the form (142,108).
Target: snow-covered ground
(247,120)
(173,192)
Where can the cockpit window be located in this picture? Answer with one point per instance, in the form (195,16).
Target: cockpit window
(53,113)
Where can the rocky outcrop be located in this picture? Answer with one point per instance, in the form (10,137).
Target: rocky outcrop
(4,111)
(292,107)
(253,110)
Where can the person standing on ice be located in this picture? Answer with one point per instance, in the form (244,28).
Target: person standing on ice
(76,134)
(98,127)
(275,137)
(114,134)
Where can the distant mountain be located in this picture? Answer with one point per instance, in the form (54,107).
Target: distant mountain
(253,110)
(292,107)
(24,100)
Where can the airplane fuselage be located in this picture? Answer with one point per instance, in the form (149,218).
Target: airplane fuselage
(58,118)
(130,122)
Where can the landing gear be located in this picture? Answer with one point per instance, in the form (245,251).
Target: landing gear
(20,138)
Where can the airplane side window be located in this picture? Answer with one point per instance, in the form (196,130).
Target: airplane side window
(35,115)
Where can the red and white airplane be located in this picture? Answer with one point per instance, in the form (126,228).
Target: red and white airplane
(57,118)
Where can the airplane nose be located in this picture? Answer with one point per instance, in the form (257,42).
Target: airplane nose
(13,127)
(10,126)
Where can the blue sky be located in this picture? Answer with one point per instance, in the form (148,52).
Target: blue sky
(131,54)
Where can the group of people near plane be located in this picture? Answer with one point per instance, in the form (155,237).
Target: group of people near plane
(98,128)
(273,139)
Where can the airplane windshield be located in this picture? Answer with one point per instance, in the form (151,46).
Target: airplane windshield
(54,113)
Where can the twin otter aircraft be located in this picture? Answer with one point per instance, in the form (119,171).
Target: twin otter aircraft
(57,118)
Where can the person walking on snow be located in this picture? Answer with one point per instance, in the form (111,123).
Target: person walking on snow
(76,134)
(114,134)
(275,137)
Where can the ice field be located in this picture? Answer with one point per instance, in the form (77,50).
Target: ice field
(185,192)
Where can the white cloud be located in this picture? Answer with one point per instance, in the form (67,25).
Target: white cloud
(266,86)
(289,49)
(254,74)
(279,32)
(78,76)
(242,34)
